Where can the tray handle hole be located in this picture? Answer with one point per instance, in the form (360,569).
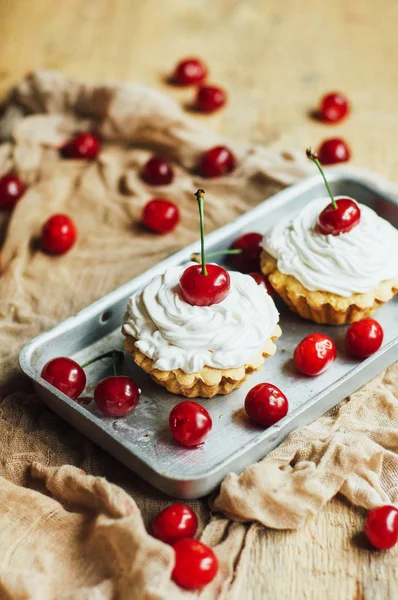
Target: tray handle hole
(104,318)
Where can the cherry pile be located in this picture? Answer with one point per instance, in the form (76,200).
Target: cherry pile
(193,71)
(196,564)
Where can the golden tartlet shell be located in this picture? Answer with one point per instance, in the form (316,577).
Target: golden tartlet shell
(324,307)
(209,381)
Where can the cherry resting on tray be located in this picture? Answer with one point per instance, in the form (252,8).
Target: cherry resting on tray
(216,162)
(314,354)
(116,396)
(195,564)
(340,216)
(11,190)
(65,375)
(58,234)
(157,171)
(381,527)
(160,215)
(190,71)
(266,404)
(189,423)
(85,146)
(250,244)
(174,523)
(210,98)
(364,338)
(204,285)
(333,108)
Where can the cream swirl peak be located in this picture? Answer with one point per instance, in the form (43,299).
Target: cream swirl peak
(353,262)
(178,335)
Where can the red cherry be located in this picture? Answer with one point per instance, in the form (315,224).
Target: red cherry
(334,151)
(11,189)
(174,523)
(364,337)
(338,220)
(195,564)
(266,404)
(83,146)
(261,279)
(190,71)
(210,98)
(161,215)
(58,234)
(333,108)
(116,396)
(157,171)
(66,375)
(249,260)
(205,290)
(314,354)
(381,527)
(189,423)
(216,162)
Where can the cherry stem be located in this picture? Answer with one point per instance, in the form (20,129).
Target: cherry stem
(195,256)
(200,198)
(115,354)
(312,155)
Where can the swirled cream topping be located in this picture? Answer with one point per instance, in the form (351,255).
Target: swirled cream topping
(176,335)
(353,262)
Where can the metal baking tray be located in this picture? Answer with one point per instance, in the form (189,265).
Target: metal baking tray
(142,440)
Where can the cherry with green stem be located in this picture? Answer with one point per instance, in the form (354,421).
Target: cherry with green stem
(341,215)
(204,284)
(115,396)
(244,252)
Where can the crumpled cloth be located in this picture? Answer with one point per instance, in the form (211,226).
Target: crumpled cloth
(65,535)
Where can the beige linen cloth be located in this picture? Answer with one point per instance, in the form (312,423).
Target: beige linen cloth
(68,535)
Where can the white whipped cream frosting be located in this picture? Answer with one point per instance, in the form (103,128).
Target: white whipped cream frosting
(177,335)
(353,262)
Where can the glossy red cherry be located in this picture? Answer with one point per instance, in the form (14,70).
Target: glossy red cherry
(65,375)
(364,338)
(333,108)
(174,523)
(216,162)
(314,354)
(249,260)
(116,396)
(266,404)
(381,527)
(261,279)
(195,564)
(190,423)
(205,290)
(157,171)
(334,151)
(190,71)
(342,219)
(210,98)
(58,234)
(11,190)
(161,215)
(85,146)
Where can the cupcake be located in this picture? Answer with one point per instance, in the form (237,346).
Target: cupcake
(198,330)
(200,351)
(333,262)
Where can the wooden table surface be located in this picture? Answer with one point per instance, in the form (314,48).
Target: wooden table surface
(276,59)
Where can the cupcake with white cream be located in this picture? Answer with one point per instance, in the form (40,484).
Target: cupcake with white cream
(332,264)
(199,330)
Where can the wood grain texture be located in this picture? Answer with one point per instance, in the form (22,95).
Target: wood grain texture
(275,59)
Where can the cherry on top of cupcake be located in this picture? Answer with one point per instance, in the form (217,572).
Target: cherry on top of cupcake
(340,216)
(204,285)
